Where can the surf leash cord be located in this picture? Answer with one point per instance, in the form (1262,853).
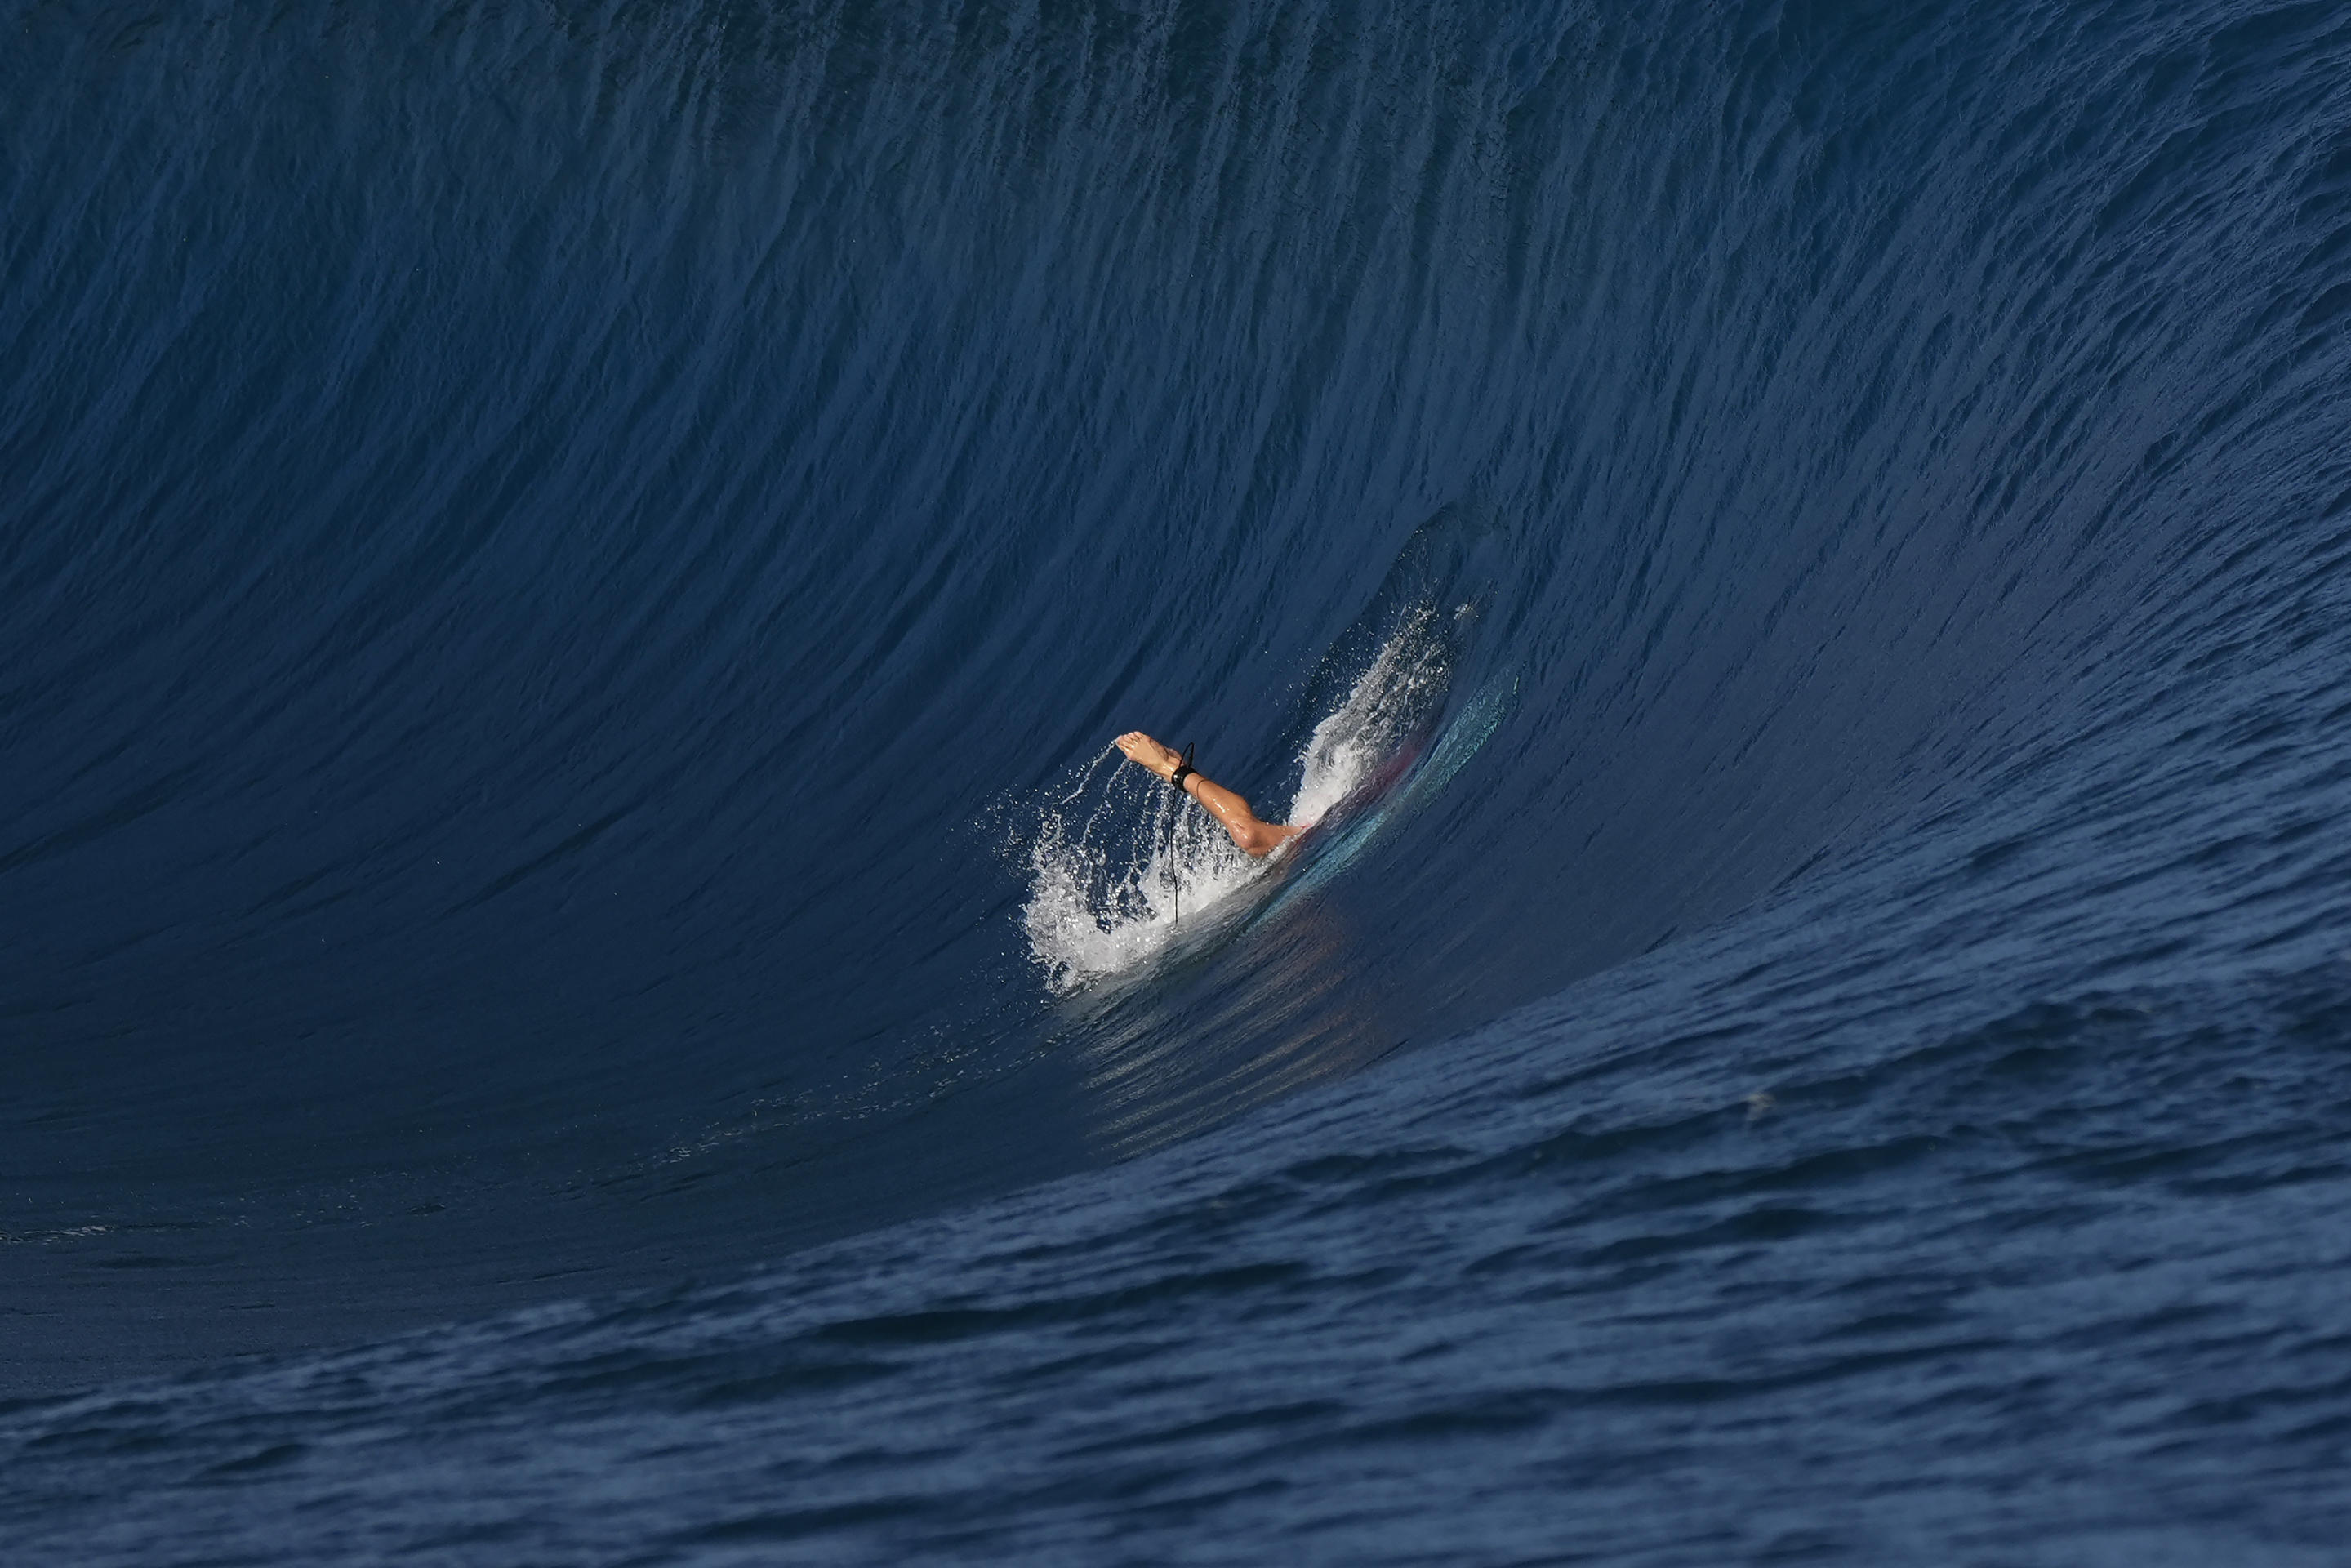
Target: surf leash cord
(1168,868)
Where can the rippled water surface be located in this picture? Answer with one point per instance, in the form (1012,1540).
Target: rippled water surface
(577,986)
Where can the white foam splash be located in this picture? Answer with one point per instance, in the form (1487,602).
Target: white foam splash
(1105,886)
(1356,738)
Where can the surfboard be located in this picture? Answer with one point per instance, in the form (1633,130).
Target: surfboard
(1404,782)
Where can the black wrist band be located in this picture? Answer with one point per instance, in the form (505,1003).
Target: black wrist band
(1176,780)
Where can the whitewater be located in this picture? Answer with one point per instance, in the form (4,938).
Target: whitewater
(1099,905)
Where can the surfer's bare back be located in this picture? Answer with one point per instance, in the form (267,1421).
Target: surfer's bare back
(1255,837)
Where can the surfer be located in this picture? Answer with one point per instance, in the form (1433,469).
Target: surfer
(1254,837)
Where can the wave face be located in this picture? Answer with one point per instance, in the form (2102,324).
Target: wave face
(564,575)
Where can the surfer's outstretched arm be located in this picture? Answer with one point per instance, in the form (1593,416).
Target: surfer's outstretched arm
(1255,837)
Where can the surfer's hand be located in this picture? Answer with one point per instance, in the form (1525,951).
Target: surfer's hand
(1142,749)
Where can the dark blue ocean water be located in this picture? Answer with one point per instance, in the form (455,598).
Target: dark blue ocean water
(575,986)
